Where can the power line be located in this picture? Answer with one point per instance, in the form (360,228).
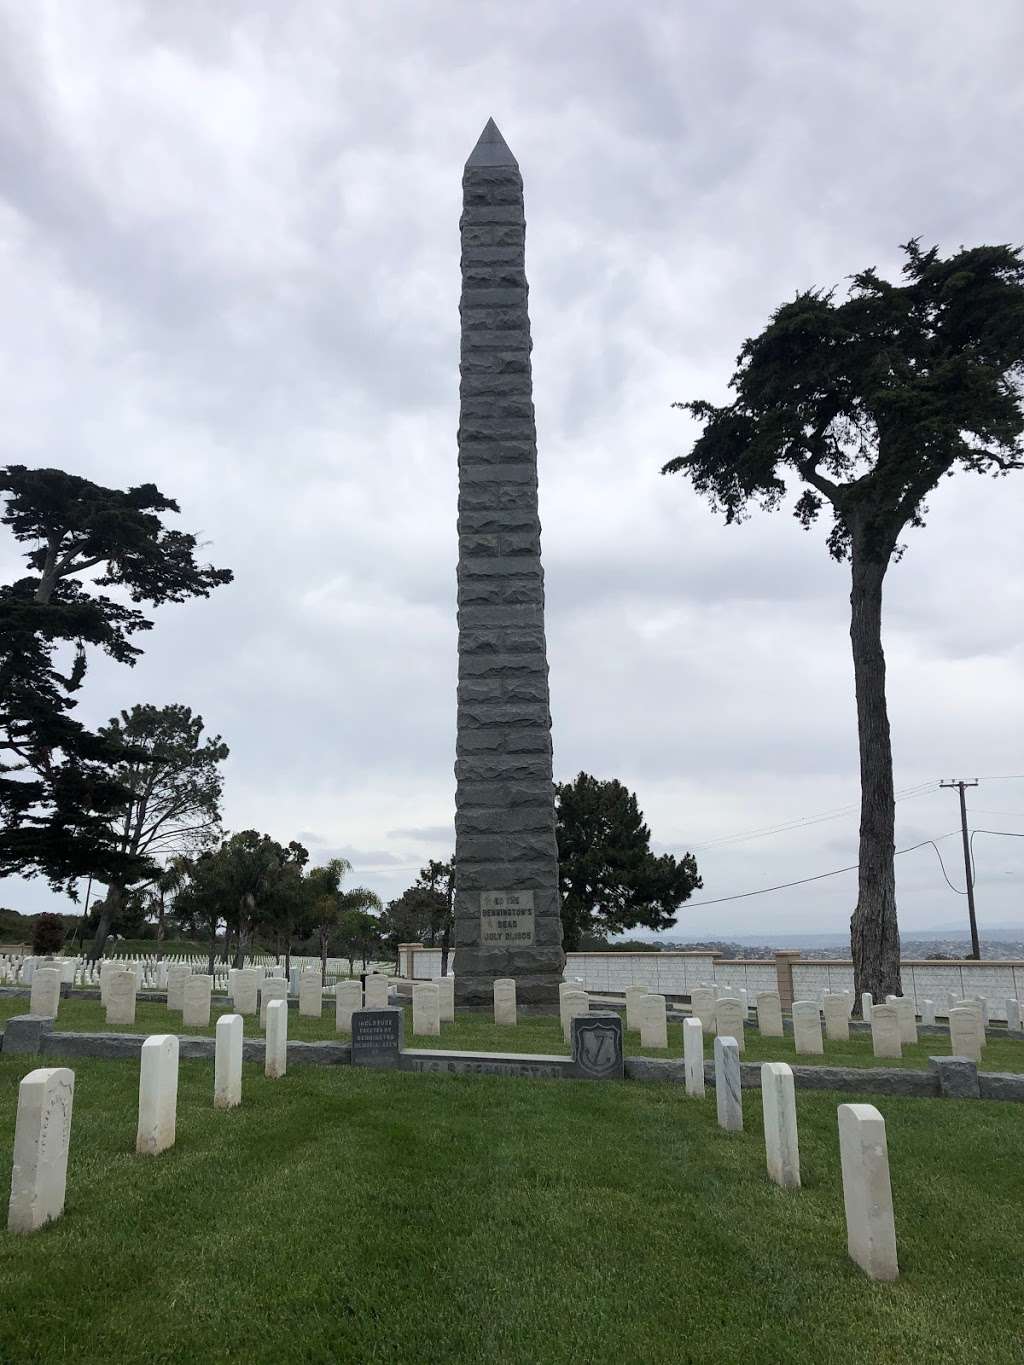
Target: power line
(803,821)
(802,881)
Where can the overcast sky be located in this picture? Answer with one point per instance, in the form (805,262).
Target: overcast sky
(230,255)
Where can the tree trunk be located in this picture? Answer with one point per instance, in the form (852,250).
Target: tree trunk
(213,945)
(160,930)
(874,934)
(111,908)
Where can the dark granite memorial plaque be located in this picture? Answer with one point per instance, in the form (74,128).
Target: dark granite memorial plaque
(597,1046)
(377,1037)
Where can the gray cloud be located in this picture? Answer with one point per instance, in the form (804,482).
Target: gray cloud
(231,240)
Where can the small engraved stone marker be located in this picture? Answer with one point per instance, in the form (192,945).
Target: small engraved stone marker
(42,1135)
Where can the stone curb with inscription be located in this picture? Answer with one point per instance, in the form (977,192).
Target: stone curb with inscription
(949,1077)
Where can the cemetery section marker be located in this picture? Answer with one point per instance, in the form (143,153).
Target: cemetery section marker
(377,1037)
(505,847)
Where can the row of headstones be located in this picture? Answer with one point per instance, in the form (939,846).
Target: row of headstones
(43,1127)
(152,972)
(864,1157)
(45,1098)
(892,1024)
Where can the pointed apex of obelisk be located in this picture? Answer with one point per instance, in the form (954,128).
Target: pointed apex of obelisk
(491,149)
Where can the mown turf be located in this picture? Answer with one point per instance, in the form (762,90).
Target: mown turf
(478,1032)
(353,1216)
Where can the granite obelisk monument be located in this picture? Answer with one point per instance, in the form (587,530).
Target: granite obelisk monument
(507,917)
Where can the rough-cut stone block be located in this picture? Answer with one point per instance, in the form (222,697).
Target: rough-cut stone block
(227,1070)
(728,1097)
(867,1192)
(24,1033)
(276,1052)
(782,1149)
(958,1077)
(693,1057)
(158,1094)
(769,1014)
(42,1136)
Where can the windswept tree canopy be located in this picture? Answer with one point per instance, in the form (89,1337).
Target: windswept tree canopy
(58,790)
(872,399)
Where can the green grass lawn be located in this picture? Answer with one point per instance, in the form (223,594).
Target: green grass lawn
(350,1216)
(478,1032)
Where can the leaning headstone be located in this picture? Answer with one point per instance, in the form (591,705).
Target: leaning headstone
(446,998)
(778,1100)
(837,1018)
(426,1010)
(245,991)
(867,1192)
(885,1031)
(121,998)
(1012,1014)
(42,1135)
(195,1010)
(728,1097)
(158,1094)
(729,1016)
(807,1028)
(653,1022)
(634,995)
(702,1006)
(378,1036)
(597,1046)
(375,992)
(866,1005)
(505,1012)
(769,1014)
(571,1004)
(227,1067)
(965,1035)
(693,1057)
(176,978)
(348,996)
(311,994)
(44,997)
(275,1062)
(274,988)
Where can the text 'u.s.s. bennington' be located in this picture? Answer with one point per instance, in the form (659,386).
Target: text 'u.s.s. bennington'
(506,860)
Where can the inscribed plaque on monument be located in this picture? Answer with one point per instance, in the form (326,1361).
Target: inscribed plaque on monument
(378,1037)
(506,919)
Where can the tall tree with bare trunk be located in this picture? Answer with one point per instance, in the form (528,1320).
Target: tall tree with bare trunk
(868,402)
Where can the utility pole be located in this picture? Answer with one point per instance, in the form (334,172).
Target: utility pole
(960,785)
